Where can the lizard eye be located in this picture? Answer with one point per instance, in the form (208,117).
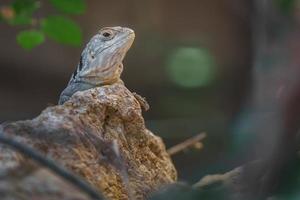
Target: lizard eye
(107,34)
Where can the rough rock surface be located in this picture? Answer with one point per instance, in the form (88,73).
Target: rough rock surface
(100,135)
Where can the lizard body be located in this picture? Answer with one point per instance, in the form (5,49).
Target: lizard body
(101,61)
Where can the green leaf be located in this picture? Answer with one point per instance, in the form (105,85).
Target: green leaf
(70,6)
(30,39)
(25,6)
(62,30)
(23,10)
(20,20)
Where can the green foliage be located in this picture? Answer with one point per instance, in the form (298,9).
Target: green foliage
(286,6)
(19,20)
(70,6)
(62,29)
(58,28)
(25,6)
(30,39)
(23,10)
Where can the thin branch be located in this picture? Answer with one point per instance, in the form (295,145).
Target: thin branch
(207,180)
(50,164)
(186,144)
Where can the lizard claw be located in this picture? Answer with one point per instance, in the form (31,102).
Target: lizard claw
(142,101)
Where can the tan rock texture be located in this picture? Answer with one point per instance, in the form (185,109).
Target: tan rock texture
(98,134)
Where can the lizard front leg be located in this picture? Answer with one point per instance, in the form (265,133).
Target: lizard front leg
(142,101)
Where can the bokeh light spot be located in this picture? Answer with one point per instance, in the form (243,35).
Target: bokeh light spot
(191,67)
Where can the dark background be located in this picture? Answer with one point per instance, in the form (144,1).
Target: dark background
(30,81)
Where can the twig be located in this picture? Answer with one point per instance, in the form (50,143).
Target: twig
(186,144)
(227,177)
(50,164)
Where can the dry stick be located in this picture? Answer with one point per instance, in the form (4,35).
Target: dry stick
(50,164)
(186,144)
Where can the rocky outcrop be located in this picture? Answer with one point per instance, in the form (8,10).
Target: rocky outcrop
(100,135)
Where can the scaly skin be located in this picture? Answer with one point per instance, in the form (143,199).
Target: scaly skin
(101,61)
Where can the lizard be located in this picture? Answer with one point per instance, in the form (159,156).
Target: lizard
(101,62)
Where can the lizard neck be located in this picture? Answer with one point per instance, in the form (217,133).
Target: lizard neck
(101,75)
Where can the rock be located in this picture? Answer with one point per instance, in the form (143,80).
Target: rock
(100,135)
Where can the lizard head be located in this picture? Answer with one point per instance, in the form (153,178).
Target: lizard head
(101,60)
